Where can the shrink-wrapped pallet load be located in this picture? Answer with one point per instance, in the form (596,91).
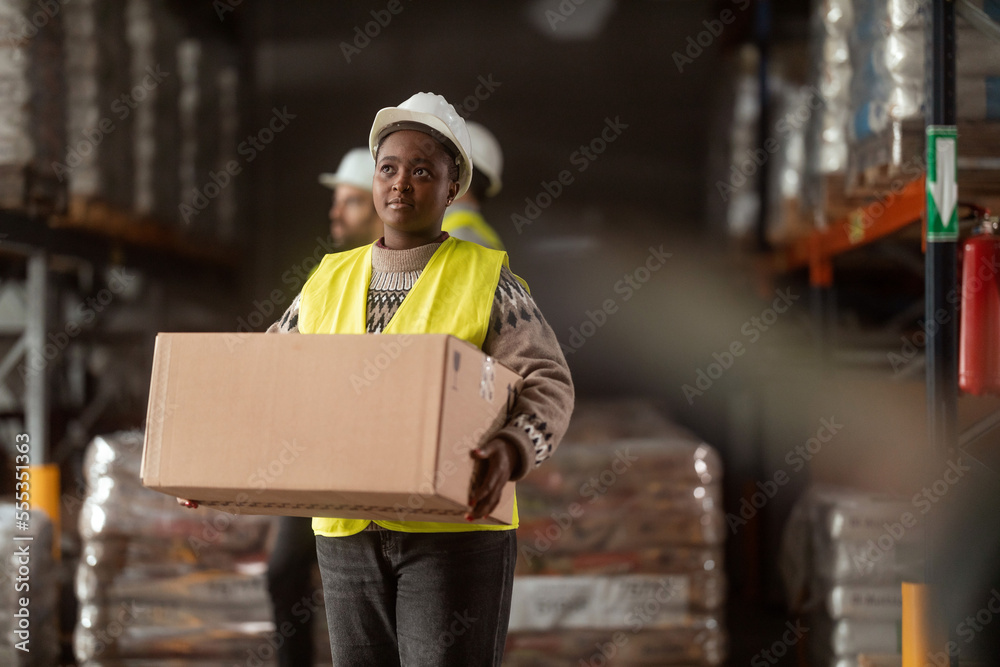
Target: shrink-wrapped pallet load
(845,554)
(888,98)
(160,582)
(620,547)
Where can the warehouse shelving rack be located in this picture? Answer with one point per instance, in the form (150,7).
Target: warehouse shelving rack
(877,220)
(104,237)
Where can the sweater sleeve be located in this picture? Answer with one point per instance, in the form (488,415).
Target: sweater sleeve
(521,339)
(289,322)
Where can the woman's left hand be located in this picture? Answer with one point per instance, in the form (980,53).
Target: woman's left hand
(498,457)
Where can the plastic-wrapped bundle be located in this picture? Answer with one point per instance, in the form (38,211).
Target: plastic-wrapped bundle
(671,560)
(827,133)
(636,494)
(596,601)
(160,581)
(889,80)
(847,562)
(840,514)
(170,557)
(852,636)
(550,487)
(699,640)
(794,107)
(208,588)
(838,536)
(27,571)
(118,505)
(844,555)
(830,31)
(887,128)
(626,526)
(623,535)
(630,462)
(880,603)
(32,106)
(135,630)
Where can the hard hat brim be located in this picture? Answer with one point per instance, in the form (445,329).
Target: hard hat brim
(390,116)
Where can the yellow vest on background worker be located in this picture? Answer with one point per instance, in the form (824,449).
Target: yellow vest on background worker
(453,295)
(458,219)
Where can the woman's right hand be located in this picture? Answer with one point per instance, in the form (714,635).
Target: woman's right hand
(193,504)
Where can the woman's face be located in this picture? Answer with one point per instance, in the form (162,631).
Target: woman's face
(412,188)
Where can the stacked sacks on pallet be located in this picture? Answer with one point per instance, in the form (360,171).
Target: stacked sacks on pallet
(152,118)
(32,106)
(845,555)
(888,97)
(157,581)
(620,543)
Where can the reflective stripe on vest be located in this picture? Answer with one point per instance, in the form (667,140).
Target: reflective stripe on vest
(453,295)
(476,222)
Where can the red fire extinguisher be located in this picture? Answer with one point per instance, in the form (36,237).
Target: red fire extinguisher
(979,336)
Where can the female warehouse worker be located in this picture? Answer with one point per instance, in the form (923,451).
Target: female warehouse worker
(417,593)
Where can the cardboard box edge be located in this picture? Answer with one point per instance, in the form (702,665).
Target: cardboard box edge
(152,447)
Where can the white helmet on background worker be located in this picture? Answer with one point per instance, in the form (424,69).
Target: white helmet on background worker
(357,168)
(486,156)
(430,113)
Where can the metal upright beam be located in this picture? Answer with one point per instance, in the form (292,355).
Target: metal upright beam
(36,412)
(941,279)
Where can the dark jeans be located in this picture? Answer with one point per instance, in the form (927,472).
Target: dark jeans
(418,599)
(289,580)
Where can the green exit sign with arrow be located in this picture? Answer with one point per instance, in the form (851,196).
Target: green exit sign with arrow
(942,183)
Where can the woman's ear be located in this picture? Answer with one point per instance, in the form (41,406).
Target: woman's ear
(453,188)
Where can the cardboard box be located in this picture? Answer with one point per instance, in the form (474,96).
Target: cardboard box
(349,426)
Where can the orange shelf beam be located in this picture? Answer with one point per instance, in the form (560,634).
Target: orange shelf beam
(890,213)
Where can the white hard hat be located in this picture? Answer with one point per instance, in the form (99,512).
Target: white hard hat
(357,168)
(433,112)
(487,156)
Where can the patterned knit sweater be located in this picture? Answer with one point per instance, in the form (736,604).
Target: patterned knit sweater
(518,337)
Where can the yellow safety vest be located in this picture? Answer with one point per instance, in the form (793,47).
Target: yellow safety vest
(453,295)
(463,217)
